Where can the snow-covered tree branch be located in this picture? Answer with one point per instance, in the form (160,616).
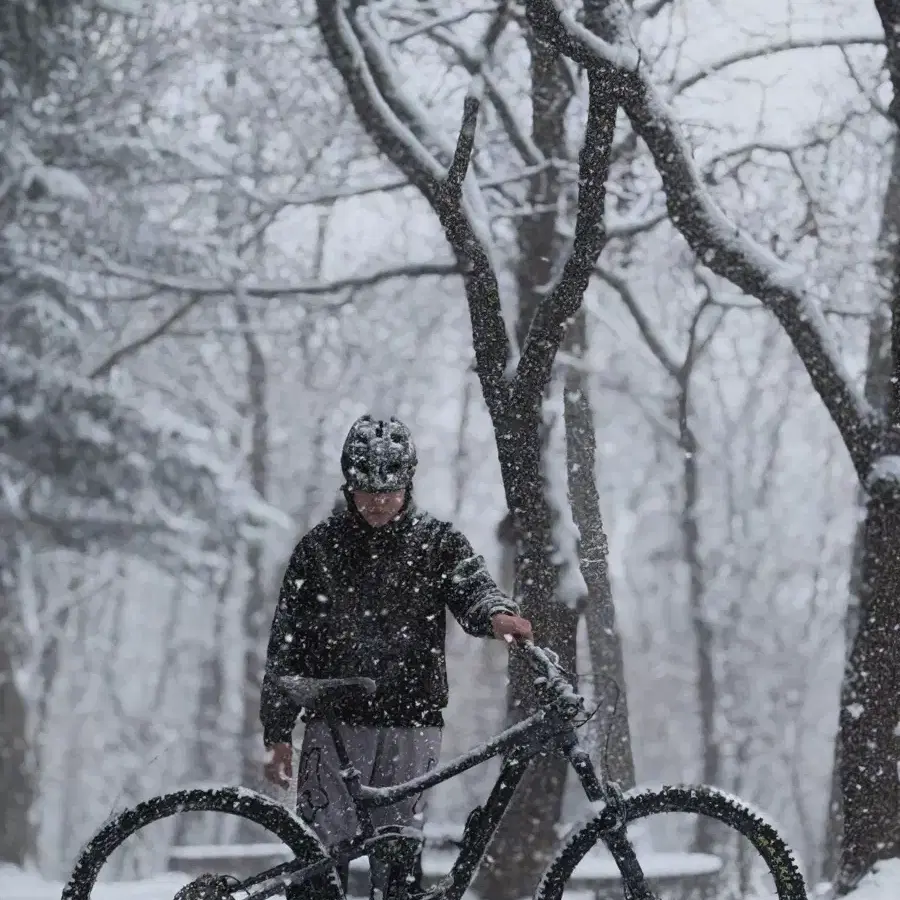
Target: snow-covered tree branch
(721,245)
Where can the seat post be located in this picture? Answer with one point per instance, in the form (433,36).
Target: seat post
(339,746)
(351,776)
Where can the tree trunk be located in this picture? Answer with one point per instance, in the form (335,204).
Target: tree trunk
(256,611)
(704,835)
(879,369)
(527,834)
(256,615)
(515,403)
(868,746)
(870,742)
(17,788)
(604,642)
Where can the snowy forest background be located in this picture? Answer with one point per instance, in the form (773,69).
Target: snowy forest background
(209,272)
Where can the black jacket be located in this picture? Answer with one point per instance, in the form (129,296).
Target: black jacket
(363,601)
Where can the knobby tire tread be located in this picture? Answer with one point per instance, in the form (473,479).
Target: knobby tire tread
(699,799)
(246,804)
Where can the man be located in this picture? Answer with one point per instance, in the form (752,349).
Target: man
(365,594)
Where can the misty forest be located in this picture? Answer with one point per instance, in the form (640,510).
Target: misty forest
(629,269)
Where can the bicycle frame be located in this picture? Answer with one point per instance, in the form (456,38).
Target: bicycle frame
(539,732)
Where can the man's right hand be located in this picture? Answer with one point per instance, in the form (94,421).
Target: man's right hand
(278,767)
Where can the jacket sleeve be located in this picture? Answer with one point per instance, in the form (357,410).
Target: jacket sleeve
(290,641)
(469,590)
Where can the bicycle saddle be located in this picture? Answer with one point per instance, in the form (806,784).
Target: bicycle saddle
(318,692)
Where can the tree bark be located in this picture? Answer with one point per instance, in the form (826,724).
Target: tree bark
(868,752)
(526,836)
(869,738)
(879,369)
(514,403)
(866,823)
(256,610)
(604,641)
(17,788)
(707,694)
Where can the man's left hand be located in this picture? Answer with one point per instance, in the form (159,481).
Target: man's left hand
(506,626)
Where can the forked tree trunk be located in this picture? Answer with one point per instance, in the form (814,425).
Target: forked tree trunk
(515,402)
(527,834)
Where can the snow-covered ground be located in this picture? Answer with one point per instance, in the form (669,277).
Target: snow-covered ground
(882,884)
(18,885)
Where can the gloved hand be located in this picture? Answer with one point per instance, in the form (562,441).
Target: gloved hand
(278,768)
(511,628)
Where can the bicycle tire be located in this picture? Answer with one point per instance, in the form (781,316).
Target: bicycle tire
(699,799)
(246,804)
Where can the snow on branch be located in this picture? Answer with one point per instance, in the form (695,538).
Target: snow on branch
(885,468)
(720,245)
(398,127)
(159,471)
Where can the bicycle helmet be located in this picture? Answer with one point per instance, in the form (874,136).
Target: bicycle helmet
(378,456)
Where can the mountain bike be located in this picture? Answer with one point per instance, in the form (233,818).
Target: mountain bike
(559,710)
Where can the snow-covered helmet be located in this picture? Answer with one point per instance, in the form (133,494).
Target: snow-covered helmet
(378,456)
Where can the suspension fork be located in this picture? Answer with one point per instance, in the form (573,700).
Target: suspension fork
(613,823)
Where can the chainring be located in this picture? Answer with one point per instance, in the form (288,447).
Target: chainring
(209,887)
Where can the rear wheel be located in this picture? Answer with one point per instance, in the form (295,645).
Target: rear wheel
(697,799)
(246,804)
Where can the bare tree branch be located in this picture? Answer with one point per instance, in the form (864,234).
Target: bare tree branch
(562,302)
(870,95)
(327,197)
(469,238)
(518,136)
(651,10)
(419,27)
(644,325)
(451,190)
(719,243)
(207,287)
(145,339)
(740,56)
(353,283)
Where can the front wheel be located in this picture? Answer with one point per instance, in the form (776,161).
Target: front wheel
(696,799)
(246,804)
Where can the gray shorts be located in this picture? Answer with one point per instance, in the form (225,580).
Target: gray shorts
(384,757)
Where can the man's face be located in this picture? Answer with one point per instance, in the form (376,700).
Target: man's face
(379,509)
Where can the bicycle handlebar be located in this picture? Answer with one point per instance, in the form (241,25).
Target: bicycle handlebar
(561,693)
(562,690)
